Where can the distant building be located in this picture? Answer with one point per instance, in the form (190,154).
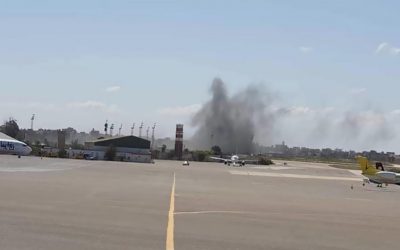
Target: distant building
(94,133)
(61,139)
(179,141)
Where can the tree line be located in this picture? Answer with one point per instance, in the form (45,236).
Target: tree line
(10,128)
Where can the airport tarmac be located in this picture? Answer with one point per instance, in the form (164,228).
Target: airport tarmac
(77,204)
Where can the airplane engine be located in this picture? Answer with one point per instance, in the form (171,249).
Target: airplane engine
(391,177)
(225,162)
(243,163)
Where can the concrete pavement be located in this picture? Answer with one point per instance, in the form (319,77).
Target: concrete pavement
(76,204)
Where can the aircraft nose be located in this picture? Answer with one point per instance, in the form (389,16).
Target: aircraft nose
(28,150)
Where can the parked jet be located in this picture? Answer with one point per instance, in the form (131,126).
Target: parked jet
(374,175)
(234,160)
(9,145)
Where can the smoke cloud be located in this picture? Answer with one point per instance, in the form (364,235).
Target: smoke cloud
(240,122)
(350,129)
(231,121)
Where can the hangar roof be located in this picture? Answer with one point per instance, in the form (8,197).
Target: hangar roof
(122,141)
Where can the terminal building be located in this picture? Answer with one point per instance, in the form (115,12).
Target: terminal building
(127,148)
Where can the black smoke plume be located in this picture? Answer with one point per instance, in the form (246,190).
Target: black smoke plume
(231,122)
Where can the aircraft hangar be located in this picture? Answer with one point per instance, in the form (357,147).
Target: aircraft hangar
(127,148)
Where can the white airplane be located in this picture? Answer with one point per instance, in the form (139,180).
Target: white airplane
(374,175)
(234,160)
(11,146)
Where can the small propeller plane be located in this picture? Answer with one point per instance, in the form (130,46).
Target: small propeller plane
(377,174)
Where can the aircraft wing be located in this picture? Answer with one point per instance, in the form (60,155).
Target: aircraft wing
(220,159)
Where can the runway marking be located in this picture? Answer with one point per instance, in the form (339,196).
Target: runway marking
(29,169)
(211,212)
(358,199)
(170,227)
(276,168)
(298,176)
(356,172)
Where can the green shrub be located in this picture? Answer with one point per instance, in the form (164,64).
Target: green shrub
(62,153)
(265,161)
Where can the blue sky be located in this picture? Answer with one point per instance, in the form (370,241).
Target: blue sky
(59,60)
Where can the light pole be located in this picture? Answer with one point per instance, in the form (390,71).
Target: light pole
(32,118)
(111,129)
(132,128)
(152,135)
(140,130)
(106,127)
(119,131)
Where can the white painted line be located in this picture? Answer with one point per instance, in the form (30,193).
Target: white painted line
(212,212)
(28,169)
(356,172)
(276,168)
(358,199)
(298,176)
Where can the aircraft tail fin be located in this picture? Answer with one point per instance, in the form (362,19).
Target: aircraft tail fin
(365,166)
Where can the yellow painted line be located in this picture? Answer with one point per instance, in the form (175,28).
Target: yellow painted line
(170,227)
